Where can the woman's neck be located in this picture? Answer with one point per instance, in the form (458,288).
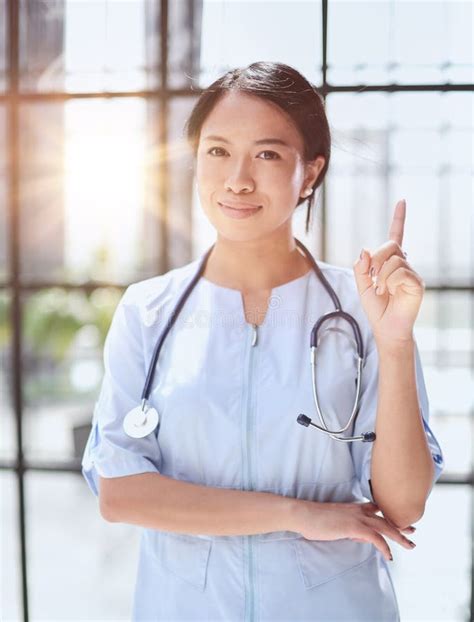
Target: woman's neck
(256,264)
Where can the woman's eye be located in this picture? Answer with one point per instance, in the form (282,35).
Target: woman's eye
(274,155)
(218,148)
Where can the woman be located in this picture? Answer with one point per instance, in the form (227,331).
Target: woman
(244,513)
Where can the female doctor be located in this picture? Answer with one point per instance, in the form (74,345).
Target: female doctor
(245,514)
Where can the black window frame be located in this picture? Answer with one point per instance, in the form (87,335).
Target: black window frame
(12,98)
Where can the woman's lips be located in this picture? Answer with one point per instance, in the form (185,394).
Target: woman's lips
(239,212)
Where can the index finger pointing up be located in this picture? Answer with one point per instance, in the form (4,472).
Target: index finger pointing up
(398,222)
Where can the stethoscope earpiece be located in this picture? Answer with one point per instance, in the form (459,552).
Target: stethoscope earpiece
(366,437)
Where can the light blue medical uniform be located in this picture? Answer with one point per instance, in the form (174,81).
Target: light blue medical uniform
(228,396)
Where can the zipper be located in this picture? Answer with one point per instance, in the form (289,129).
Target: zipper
(249,483)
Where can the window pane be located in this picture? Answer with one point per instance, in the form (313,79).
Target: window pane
(180,171)
(63,338)
(235,34)
(445,337)
(432,581)
(85,209)
(184,44)
(10,579)
(80,46)
(80,566)
(400,42)
(416,146)
(446,333)
(7,415)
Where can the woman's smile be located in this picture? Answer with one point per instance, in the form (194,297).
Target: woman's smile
(238,212)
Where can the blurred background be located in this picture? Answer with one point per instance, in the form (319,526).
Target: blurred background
(96,192)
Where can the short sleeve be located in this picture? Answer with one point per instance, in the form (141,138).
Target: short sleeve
(109,451)
(365,421)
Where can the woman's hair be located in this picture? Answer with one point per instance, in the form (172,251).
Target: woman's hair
(287,88)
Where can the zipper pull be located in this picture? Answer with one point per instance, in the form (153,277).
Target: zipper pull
(255,334)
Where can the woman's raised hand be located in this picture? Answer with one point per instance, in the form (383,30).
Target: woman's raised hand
(391,307)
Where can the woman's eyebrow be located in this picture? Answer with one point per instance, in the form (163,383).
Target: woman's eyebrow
(262,141)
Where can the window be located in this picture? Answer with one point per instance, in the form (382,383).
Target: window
(96,192)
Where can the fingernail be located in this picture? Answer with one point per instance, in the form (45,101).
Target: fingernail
(391,558)
(362,254)
(412,543)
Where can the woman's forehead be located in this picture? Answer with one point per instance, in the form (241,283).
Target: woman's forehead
(239,114)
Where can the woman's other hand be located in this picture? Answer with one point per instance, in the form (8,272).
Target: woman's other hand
(357,521)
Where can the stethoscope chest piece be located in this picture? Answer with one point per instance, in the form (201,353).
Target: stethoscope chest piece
(139,423)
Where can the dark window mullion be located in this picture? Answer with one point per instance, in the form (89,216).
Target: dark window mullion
(13,206)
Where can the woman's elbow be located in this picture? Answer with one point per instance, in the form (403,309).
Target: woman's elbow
(407,518)
(106,507)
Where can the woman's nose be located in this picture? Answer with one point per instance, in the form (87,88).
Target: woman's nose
(240,180)
(240,183)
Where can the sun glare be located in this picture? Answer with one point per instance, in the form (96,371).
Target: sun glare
(105,156)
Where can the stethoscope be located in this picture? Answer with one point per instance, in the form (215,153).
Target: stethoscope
(143,419)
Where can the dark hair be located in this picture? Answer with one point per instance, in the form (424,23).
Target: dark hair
(287,88)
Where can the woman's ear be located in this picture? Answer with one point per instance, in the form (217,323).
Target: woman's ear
(313,169)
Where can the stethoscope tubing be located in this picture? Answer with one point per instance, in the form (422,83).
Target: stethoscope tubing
(302,419)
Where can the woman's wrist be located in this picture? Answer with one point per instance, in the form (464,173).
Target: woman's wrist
(295,508)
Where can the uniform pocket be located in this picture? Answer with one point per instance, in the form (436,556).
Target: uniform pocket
(320,561)
(184,555)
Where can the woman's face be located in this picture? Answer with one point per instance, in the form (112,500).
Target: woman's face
(231,168)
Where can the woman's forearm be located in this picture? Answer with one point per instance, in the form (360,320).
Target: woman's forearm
(157,501)
(402,469)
